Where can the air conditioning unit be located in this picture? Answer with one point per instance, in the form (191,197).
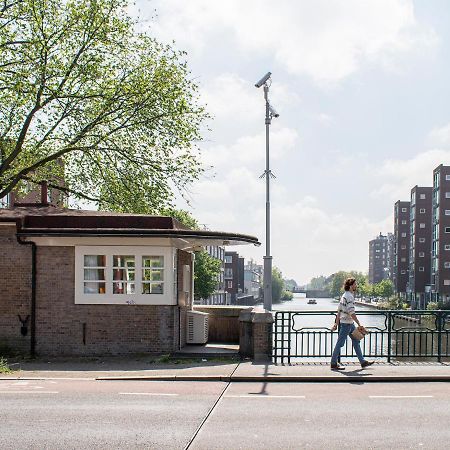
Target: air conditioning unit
(197,327)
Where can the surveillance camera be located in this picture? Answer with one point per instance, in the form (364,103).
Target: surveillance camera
(263,79)
(273,111)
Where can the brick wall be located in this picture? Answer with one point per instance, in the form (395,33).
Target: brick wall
(66,328)
(15,290)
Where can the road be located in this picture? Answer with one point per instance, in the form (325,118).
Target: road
(75,414)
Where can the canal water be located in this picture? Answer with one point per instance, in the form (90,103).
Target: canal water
(412,338)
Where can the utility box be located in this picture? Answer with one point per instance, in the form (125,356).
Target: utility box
(197,327)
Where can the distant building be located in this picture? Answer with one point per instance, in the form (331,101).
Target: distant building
(35,194)
(378,259)
(440,268)
(219,297)
(420,245)
(252,279)
(400,259)
(234,275)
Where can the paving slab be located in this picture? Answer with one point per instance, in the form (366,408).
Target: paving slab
(380,371)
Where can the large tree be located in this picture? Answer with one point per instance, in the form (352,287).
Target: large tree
(87,99)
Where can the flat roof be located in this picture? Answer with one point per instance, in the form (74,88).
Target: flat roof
(61,222)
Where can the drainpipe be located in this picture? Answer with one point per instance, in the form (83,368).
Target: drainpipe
(33,294)
(192,280)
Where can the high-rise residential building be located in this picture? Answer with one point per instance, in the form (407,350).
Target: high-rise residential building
(440,268)
(420,245)
(378,259)
(400,260)
(390,255)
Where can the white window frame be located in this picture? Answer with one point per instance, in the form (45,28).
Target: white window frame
(421,269)
(447,177)
(447,247)
(447,265)
(447,195)
(422,196)
(168,297)
(421,225)
(422,210)
(421,254)
(446,282)
(421,240)
(404,209)
(403,234)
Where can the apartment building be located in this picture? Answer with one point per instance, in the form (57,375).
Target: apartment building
(378,259)
(440,267)
(234,275)
(219,297)
(420,246)
(400,259)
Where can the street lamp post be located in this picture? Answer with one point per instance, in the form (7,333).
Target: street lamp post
(270,112)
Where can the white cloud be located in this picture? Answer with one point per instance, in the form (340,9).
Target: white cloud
(398,176)
(326,40)
(250,150)
(307,241)
(440,136)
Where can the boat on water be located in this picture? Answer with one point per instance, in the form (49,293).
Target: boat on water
(312,301)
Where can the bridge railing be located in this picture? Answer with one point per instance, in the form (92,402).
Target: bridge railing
(393,335)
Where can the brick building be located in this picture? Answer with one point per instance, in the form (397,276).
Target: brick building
(378,259)
(95,283)
(440,268)
(400,271)
(420,245)
(234,275)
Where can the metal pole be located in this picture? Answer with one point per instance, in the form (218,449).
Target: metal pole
(267,257)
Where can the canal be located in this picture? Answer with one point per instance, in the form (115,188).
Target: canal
(310,339)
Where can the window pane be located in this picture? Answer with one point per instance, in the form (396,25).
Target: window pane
(94,274)
(123,261)
(153,261)
(94,288)
(123,274)
(152,275)
(152,288)
(124,288)
(94,260)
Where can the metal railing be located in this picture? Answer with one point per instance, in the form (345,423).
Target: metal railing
(392,335)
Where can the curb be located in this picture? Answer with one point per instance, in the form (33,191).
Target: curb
(287,379)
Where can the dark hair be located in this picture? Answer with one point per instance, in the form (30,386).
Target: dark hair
(349,282)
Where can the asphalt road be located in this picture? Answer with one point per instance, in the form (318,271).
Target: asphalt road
(88,414)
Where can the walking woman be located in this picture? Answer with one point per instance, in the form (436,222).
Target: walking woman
(345,318)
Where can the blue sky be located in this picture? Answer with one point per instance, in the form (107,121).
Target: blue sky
(362,88)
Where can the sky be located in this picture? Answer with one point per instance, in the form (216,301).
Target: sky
(363,92)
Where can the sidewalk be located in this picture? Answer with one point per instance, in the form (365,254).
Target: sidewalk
(217,369)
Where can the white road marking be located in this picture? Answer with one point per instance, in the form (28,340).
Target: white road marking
(264,396)
(146,393)
(401,396)
(29,392)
